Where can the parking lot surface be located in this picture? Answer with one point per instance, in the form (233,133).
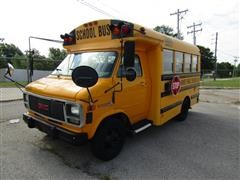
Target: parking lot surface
(205,146)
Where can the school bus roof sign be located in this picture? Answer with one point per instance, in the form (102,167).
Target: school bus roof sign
(99,30)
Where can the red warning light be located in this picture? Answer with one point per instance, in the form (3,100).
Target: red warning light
(125,29)
(116,30)
(122,29)
(68,39)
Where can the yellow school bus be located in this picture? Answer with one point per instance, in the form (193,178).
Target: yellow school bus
(118,78)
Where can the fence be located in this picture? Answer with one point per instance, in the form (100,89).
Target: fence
(21,75)
(22,63)
(221,73)
(41,67)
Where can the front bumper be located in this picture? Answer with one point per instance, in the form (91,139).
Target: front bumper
(74,138)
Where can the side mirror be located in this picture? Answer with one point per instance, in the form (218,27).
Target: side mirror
(84,76)
(10,69)
(129,54)
(131,74)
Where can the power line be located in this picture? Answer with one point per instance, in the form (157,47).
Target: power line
(95,8)
(178,13)
(227,54)
(106,5)
(194,31)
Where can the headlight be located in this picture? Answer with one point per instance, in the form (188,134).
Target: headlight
(75,110)
(74,114)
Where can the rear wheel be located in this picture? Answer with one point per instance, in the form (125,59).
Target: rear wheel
(109,139)
(184,110)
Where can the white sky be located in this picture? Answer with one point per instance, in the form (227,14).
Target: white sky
(20,19)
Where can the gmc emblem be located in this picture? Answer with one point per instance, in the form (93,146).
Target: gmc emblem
(42,106)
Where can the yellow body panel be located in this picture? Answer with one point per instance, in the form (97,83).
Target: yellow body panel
(144,98)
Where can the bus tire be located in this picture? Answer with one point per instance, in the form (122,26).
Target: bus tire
(184,110)
(109,139)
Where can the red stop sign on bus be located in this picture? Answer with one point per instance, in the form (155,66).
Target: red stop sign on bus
(176,85)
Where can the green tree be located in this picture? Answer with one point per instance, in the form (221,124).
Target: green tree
(57,54)
(207,59)
(167,30)
(224,69)
(238,70)
(9,50)
(10,53)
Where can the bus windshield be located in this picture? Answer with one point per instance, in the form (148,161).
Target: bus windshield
(102,62)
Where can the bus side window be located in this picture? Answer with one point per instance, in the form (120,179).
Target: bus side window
(167,61)
(187,63)
(194,63)
(179,62)
(137,67)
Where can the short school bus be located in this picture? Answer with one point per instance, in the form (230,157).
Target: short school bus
(118,77)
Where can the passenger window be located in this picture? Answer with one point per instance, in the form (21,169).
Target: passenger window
(187,63)
(179,62)
(167,61)
(137,67)
(194,63)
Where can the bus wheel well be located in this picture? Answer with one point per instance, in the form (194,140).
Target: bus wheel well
(184,109)
(187,101)
(120,116)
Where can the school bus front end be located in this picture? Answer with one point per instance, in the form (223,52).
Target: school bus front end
(118,77)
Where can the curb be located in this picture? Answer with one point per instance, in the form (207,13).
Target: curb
(225,88)
(11,100)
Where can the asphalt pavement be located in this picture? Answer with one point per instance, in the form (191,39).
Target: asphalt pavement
(10,94)
(205,146)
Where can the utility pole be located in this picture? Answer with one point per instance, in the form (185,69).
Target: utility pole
(235,66)
(216,56)
(178,13)
(194,31)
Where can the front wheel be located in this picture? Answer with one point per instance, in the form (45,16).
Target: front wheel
(109,139)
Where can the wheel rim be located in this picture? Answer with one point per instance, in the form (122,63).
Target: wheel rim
(113,139)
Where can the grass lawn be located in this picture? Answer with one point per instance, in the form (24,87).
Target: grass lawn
(10,84)
(221,83)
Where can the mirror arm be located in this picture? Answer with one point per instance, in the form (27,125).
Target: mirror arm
(90,96)
(90,102)
(107,90)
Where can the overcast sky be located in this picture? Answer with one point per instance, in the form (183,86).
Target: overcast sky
(20,19)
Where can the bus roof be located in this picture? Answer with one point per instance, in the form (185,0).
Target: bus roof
(99,32)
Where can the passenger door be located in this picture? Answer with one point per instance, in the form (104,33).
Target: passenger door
(134,98)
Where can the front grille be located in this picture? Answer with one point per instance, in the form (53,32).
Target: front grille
(50,108)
